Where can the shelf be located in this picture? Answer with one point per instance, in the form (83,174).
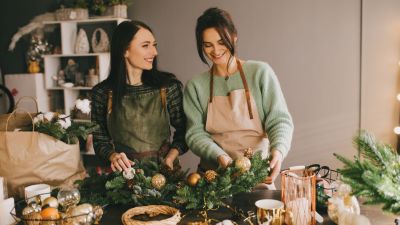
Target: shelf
(76,55)
(70,88)
(90,20)
(65,97)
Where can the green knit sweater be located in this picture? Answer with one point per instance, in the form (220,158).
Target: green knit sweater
(271,105)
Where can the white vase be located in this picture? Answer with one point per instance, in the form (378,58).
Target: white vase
(82,43)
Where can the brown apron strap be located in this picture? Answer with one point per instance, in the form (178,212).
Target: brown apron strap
(211,84)
(163,95)
(246,86)
(109,102)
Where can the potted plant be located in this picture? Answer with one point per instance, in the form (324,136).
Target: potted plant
(97,7)
(117,8)
(72,10)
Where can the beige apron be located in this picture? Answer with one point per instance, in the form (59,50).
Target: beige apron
(234,123)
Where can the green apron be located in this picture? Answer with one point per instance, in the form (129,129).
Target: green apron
(140,126)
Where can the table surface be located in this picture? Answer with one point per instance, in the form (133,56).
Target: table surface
(112,215)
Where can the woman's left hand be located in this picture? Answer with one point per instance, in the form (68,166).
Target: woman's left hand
(275,165)
(170,158)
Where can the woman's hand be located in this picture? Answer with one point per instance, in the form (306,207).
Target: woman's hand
(119,161)
(275,165)
(170,158)
(224,160)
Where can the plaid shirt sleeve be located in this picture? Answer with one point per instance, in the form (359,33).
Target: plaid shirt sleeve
(102,141)
(177,116)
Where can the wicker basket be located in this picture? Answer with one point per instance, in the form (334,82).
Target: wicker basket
(72,14)
(152,210)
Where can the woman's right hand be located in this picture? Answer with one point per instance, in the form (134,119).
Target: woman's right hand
(119,161)
(224,161)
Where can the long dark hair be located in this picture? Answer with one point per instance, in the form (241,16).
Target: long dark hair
(222,21)
(122,37)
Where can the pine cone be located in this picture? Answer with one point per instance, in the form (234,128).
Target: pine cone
(130,183)
(210,175)
(248,153)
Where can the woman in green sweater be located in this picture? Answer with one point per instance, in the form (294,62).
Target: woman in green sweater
(235,105)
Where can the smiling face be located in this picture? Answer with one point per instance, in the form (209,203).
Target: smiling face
(141,51)
(214,47)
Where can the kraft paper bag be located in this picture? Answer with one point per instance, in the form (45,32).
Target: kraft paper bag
(30,157)
(18,120)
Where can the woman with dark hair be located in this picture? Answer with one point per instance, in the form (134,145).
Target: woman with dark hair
(137,104)
(237,104)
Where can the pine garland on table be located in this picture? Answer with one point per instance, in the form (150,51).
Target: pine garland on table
(375,174)
(207,194)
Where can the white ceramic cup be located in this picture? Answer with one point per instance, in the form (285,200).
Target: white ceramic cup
(270,212)
(40,190)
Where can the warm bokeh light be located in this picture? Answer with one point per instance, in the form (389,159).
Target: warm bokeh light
(396,130)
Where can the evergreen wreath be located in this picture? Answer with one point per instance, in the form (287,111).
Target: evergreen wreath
(374,174)
(210,193)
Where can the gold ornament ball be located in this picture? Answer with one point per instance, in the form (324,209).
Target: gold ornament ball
(51,202)
(97,214)
(193,179)
(158,181)
(68,196)
(243,164)
(210,175)
(80,214)
(27,210)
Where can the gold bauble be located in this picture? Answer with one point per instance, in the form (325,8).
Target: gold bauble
(193,179)
(35,206)
(68,196)
(210,175)
(97,214)
(27,210)
(51,202)
(80,214)
(248,153)
(243,164)
(158,181)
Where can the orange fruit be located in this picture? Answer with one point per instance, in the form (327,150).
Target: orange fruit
(50,214)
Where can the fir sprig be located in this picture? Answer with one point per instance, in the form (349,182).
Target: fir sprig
(230,181)
(375,174)
(68,135)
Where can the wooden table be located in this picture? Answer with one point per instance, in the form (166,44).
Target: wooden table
(112,215)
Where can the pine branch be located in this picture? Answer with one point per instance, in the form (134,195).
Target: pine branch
(376,175)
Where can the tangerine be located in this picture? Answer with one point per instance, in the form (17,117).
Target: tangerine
(50,213)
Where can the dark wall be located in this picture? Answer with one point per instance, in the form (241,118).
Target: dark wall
(15,14)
